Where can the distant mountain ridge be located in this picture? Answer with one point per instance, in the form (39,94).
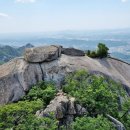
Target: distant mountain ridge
(118,40)
(8,52)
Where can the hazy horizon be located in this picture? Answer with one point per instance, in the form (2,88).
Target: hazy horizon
(26,16)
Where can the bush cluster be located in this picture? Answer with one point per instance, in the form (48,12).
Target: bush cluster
(101,52)
(100,96)
(21,115)
(45,91)
(89,123)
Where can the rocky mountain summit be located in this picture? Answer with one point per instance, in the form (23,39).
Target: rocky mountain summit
(53,63)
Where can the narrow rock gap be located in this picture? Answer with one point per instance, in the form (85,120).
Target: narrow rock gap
(40,64)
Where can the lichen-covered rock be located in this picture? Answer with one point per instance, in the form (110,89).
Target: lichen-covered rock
(41,54)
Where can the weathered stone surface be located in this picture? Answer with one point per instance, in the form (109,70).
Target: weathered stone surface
(80,110)
(56,70)
(16,77)
(58,105)
(72,52)
(59,49)
(64,108)
(10,89)
(116,70)
(71,106)
(41,54)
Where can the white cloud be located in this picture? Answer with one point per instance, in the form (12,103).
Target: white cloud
(124,1)
(26,1)
(4,15)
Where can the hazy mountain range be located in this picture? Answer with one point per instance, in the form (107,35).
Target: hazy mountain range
(8,52)
(117,40)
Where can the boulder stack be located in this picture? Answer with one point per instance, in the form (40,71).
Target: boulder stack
(42,54)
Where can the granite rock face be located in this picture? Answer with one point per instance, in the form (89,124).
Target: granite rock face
(41,54)
(18,75)
(72,52)
(114,69)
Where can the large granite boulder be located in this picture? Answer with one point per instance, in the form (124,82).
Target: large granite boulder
(41,54)
(72,52)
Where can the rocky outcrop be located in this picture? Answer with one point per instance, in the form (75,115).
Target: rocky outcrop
(41,54)
(64,108)
(72,52)
(116,70)
(18,75)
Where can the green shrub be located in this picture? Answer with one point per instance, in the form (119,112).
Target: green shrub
(101,52)
(21,115)
(98,94)
(22,118)
(88,52)
(12,115)
(89,123)
(125,114)
(34,123)
(45,91)
(93,54)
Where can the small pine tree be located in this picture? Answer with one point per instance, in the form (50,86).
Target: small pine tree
(102,50)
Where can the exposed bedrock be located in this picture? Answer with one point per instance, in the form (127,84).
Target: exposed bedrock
(18,75)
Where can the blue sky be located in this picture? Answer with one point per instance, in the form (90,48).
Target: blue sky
(57,15)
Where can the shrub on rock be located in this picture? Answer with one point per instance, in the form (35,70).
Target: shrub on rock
(101,52)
